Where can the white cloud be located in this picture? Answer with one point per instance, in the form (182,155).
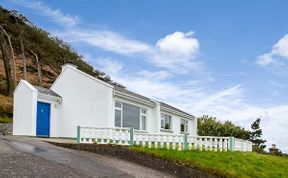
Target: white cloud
(158,75)
(111,67)
(182,45)
(176,49)
(279,50)
(243,73)
(265,59)
(281,47)
(55,14)
(106,40)
(231,95)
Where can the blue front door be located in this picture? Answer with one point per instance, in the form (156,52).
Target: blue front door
(43,119)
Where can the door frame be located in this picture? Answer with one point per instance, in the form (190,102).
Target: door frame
(49,118)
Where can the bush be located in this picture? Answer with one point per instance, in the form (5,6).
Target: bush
(6,120)
(209,126)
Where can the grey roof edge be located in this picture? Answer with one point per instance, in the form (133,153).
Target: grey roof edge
(125,91)
(174,108)
(46,91)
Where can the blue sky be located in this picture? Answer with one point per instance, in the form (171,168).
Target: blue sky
(223,58)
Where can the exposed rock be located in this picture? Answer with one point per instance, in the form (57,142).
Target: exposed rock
(6,129)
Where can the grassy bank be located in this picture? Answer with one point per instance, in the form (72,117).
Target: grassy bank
(226,164)
(5,120)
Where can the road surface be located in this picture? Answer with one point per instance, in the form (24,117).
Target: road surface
(30,157)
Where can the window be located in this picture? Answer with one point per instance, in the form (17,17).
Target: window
(143,116)
(165,121)
(131,116)
(127,115)
(184,125)
(118,114)
(118,105)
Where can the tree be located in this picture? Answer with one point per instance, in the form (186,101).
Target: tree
(275,151)
(21,19)
(23,54)
(255,136)
(12,54)
(38,69)
(209,126)
(6,61)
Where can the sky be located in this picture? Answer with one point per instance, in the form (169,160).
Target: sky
(224,58)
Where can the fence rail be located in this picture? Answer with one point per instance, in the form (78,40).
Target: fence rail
(127,136)
(242,145)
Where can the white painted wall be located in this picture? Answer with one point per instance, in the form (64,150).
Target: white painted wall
(24,109)
(86,101)
(192,127)
(176,121)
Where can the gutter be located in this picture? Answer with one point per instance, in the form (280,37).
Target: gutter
(136,99)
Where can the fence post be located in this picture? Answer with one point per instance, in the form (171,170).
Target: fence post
(232,143)
(185,143)
(131,136)
(78,134)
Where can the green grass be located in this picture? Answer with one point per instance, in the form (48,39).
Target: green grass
(226,164)
(5,120)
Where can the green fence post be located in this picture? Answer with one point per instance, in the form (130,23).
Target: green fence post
(78,134)
(185,143)
(131,136)
(232,143)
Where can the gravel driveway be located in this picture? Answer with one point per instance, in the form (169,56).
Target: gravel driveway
(30,157)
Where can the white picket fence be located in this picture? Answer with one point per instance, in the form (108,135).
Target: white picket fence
(127,136)
(242,145)
(104,135)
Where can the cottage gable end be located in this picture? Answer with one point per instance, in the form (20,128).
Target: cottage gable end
(69,67)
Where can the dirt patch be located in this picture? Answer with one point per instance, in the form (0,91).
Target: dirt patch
(6,102)
(144,159)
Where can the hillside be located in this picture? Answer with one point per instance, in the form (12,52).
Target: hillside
(224,164)
(51,51)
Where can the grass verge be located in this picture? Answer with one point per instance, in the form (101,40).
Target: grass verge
(6,120)
(225,164)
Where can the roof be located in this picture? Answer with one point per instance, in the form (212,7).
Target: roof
(173,108)
(46,91)
(125,91)
(24,82)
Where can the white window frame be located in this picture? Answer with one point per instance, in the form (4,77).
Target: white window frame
(145,115)
(170,121)
(186,125)
(140,115)
(119,109)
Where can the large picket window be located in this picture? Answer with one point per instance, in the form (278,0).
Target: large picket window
(127,115)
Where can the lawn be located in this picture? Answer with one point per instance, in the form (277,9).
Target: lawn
(226,164)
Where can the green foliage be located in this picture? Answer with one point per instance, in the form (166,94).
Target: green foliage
(209,126)
(225,164)
(6,120)
(51,50)
(5,58)
(255,137)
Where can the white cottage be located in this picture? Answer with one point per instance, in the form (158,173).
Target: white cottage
(76,98)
